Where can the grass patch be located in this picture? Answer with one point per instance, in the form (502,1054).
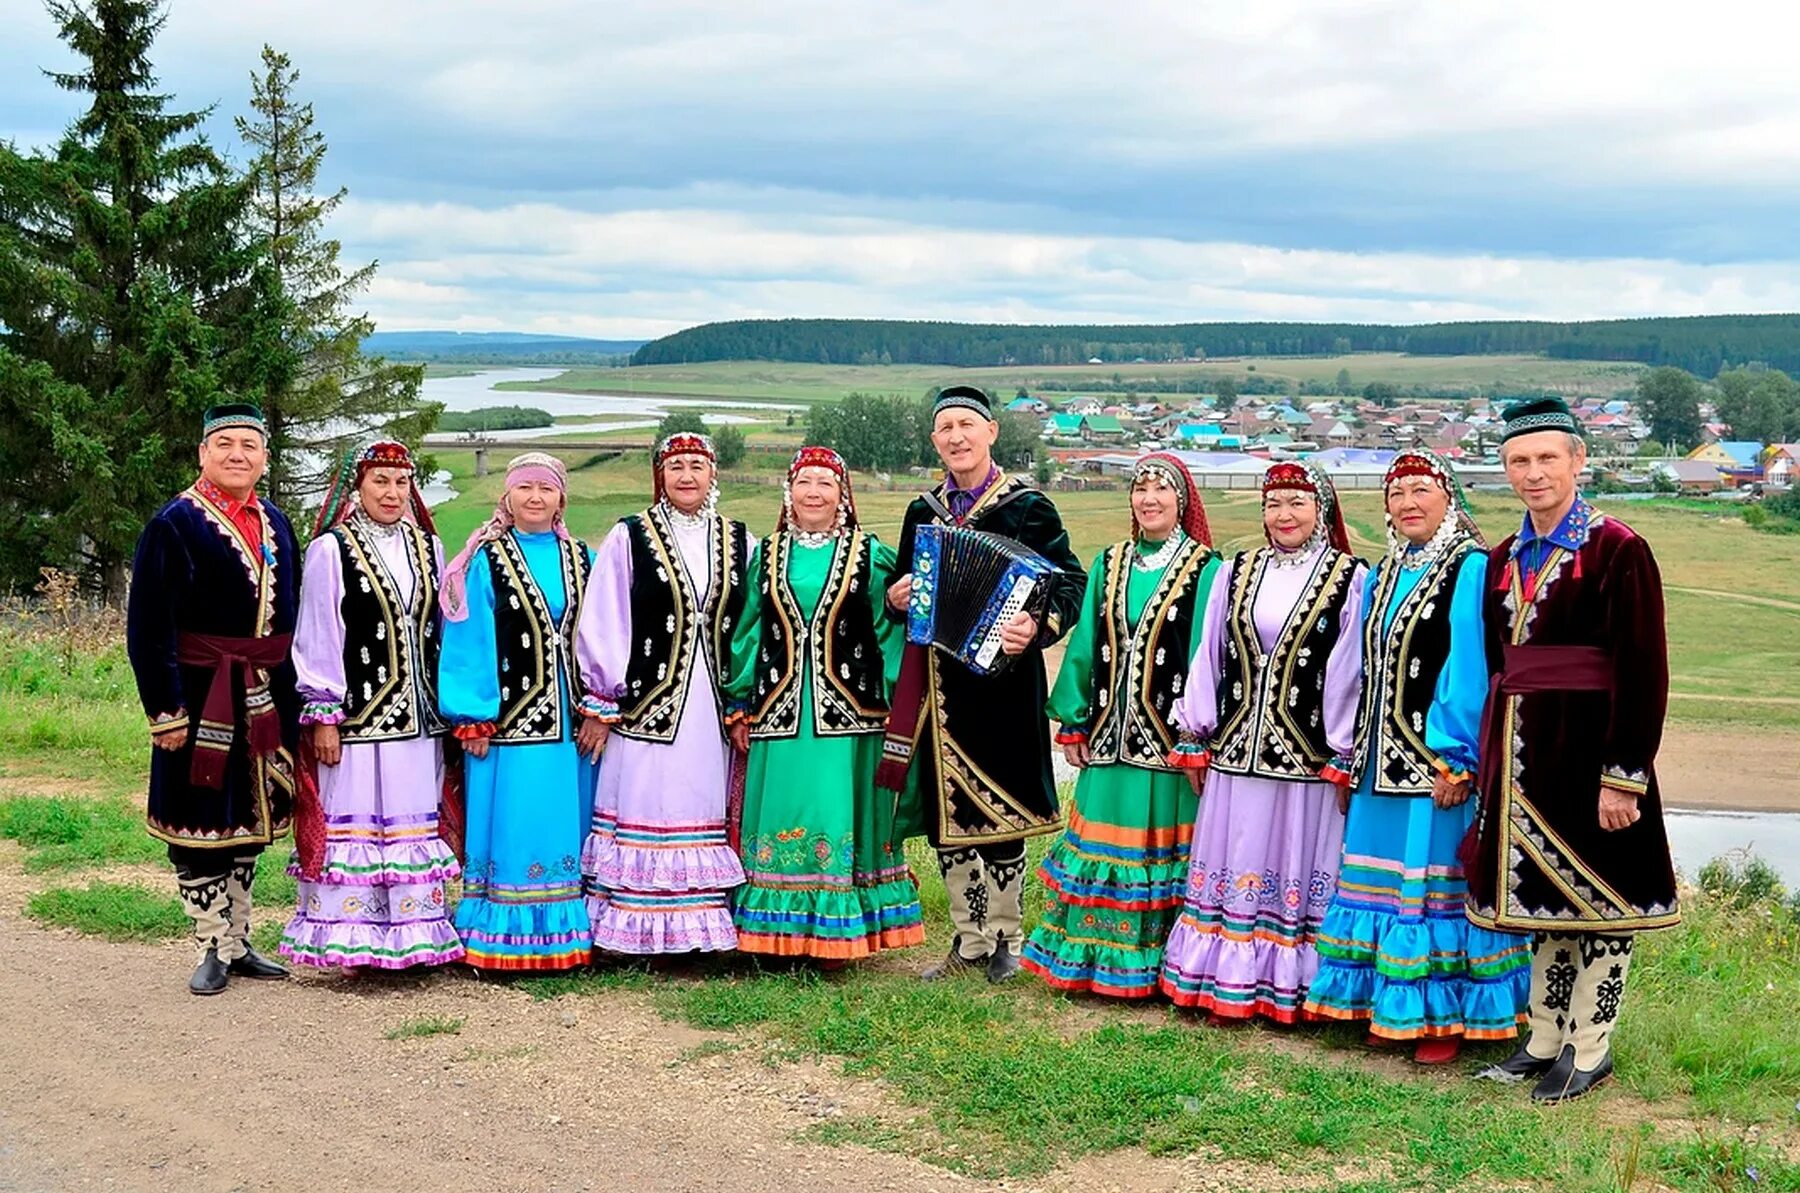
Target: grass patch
(80,707)
(114,910)
(1012,1083)
(425,1025)
(64,833)
(1713,1011)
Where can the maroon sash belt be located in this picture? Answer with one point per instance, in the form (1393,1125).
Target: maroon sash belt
(1526,669)
(903,719)
(217,730)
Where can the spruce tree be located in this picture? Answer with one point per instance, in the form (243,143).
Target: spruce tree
(119,269)
(335,393)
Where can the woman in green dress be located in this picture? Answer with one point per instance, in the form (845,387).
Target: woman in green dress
(1117,875)
(812,664)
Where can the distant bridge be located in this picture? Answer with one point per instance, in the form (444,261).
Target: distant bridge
(614,448)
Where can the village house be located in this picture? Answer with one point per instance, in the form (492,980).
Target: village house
(1781,464)
(1693,477)
(1102,428)
(1739,459)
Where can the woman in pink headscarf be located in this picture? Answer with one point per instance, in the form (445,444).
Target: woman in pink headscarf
(510,686)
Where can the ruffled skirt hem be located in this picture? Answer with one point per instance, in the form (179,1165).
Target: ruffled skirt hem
(391,946)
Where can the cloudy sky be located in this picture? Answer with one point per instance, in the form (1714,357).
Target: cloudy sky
(626,168)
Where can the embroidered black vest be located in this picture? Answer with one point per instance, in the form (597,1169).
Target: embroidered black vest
(535,698)
(1138,672)
(665,617)
(390,651)
(1272,707)
(839,639)
(1400,672)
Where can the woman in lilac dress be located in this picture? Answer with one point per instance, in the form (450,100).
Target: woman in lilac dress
(654,644)
(1269,713)
(365,653)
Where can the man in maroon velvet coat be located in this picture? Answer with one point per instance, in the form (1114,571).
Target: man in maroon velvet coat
(1569,843)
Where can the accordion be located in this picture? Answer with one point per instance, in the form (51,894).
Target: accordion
(966,585)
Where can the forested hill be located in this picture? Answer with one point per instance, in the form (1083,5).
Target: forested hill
(1700,344)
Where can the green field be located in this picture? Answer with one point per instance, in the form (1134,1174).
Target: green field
(1733,604)
(795,382)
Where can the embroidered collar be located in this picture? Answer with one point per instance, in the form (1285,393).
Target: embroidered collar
(231,506)
(1571,533)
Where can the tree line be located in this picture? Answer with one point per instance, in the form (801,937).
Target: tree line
(1703,345)
(892,433)
(143,279)
(1756,404)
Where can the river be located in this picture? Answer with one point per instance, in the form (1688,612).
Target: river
(476,390)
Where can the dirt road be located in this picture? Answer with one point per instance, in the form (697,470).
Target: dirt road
(113,1077)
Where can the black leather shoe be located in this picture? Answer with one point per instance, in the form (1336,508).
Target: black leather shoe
(951,965)
(254,965)
(1564,1082)
(1001,964)
(209,976)
(1520,1066)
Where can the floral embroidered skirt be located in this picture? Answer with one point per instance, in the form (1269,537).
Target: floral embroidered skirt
(1262,873)
(379,899)
(824,875)
(1115,880)
(528,806)
(1396,948)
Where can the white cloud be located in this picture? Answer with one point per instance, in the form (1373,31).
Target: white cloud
(644,272)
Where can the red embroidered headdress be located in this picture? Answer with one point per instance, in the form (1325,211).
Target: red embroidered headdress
(818,457)
(681,443)
(1307,477)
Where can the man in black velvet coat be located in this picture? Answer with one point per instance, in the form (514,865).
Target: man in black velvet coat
(214,590)
(1569,841)
(980,757)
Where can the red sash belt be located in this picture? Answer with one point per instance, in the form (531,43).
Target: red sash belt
(1526,669)
(218,728)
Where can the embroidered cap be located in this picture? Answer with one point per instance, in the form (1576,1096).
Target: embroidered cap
(233,414)
(1538,414)
(964,397)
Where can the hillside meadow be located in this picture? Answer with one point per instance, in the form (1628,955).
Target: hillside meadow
(781,381)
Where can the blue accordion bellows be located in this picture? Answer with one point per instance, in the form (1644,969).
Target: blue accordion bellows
(966,585)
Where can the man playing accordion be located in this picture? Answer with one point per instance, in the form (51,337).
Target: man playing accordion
(972,751)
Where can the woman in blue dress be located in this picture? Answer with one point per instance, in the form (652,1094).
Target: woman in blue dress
(1395,949)
(509,685)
